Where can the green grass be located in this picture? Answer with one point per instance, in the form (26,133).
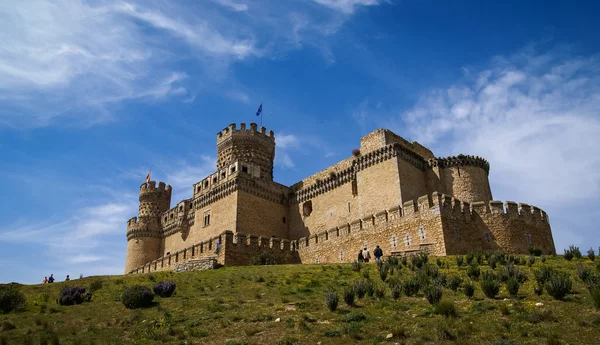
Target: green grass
(286,305)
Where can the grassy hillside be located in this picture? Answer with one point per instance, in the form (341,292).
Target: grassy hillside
(286,305)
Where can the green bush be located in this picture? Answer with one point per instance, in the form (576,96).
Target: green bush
(583,273)
(356,266)
(73,295)
(95,285)
(512,285)
(598,266)
(575,251)
(531,261)
(559,285)
(538,289)
(396,290)
(137,297)
(411,286)
(393,261)
(512,271)
(543,274)
(11,299)
(469,289)
(543,259)
(267,258)
(591,255)
(383,271)
(349,296)
(490,287)
(454,283)
(379,291)
(469,258)
(537,251)
(433,293)
(420,259)
(446,308)
(331,297)
(473,271)
(459,260)
(360,287)
(370,288)
(355,316)
(568,255)
(595,294)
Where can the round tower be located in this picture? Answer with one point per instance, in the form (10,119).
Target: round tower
(144,231)
(465,178)
(247,145)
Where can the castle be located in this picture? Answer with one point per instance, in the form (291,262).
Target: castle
(389,192)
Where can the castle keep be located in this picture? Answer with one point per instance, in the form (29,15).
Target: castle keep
(390,192)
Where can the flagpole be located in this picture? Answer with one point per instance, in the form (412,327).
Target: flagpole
(261,112)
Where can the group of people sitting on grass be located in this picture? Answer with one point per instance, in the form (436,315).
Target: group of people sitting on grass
(51,279)
(365,256)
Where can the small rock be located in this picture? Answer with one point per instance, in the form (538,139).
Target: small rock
(389,336)
(278,319)
(539,304)
(506,299)
(319,343)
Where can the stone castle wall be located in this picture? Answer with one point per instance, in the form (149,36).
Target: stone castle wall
(391,193)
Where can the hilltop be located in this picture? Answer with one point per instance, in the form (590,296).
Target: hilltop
(286,304)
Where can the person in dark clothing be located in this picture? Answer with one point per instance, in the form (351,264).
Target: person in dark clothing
(51,279)
(378,253)
(360,256)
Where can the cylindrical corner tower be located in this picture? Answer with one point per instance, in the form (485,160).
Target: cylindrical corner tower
(465,178)
(247,145)
(143,232)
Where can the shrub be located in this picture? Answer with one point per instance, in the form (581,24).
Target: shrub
(469,289)
(543,274)
(411,286)
(404,261)
(446,308)
(538,289)
(356,266)
(512,285)
(433,293)
(591,255)
(360,287)
(568,255)
(164,289)
(543,259)
(490,287)
(583,273)
(512,271)
(459,260)
(559,285)
(531,261)
(11,299)
(537,251)
(454,283)
(267,258)
(396,290)
(469,258)
(95,285)
(137,297)
(331,297)
(575,251)
(349,296)
(595,294)
(73,295)
(398,331)
(492,261)
(370,288)
(439,263)
(7,325)
(598,266)
(355,316)
(441,279)
(379,291)
(473,271)
(393,261)
(383,271)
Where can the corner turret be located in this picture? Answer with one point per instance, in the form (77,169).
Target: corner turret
(144,231)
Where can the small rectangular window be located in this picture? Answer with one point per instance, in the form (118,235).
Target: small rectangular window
(233,169)
(207,218)
(244,169)
(284,220)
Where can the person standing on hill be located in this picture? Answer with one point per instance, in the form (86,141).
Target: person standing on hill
(45,280)
(360,257)
(366,254)
(51,279)
(378,253)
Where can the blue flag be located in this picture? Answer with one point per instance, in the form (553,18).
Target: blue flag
(259,110)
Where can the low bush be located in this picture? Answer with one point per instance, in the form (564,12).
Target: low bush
(568,255)
(164,289)
(332,299)
(575,251)
(11,299)
(355,316)
(469,289)
(583,273)
(591,255)
(137,297)
(490,287)
(559,285)
(360,287)
(531,261)
(543,274)
(454,283)
(433,293)
(446,308)
(512,285)
(595,294)
(267,258)
(356,266)
(370,288)
(383,271)
(538,289)
(349,296)
(459,260)
(396,290)
(73,295)
(379,291)
(411,286)
(512,271)
(598,266)
(420,259)
(95,285)
(393,261)
(537,251)
(469,258)
(543,259)
(473,271)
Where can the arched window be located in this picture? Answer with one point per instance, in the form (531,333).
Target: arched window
(407,240)
(421,233)
(394,241)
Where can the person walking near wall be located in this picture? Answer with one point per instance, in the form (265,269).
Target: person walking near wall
(360,256)
(378,253)
(218,247)
(366,254)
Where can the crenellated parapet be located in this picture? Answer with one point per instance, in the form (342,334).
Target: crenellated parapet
(253,131)
(460,160)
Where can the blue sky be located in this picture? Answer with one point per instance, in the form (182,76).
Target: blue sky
(93,94)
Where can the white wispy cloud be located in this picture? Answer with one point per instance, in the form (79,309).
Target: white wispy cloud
(234,5)
(347,6)
(286,141)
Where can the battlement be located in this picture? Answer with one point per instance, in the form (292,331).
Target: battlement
(460,160)
(232,131)
(151,187)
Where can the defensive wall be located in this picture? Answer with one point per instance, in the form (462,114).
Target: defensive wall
(436,223)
